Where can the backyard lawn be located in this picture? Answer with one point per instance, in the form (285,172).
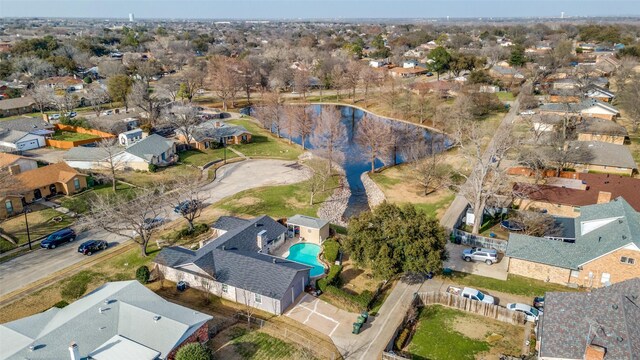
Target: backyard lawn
(80,203)
(41,223)
(265,144)
(239,342)
(447,334)
(202,157)
(517,285)
(71,136)
(162,175)
(277,201)
(505,96)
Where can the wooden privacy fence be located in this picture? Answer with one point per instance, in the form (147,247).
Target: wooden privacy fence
(473,306)
(66,144)
(465,238)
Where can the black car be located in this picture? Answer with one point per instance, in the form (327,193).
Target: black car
(92,246)
(58,238)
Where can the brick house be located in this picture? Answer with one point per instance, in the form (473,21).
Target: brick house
(589,107)
(119,320)
(213,133)
(598,325)
(604,157)
(601,247)
(17,106)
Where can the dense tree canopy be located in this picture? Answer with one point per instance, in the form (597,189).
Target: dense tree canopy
(393,239)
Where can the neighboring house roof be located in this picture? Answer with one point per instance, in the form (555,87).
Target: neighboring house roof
(617,185)
(11,136)
(502,70)
(578,107)
(152,145)
(227,223)
(598,126)
(607,317)
(595,90)
(600,229)
(8,159)
(81,153)
(132,133)
(606,154)
(45,176)
(209,130)
(227,258)
(26,124)
(307,221)
(129,311)
(16,103)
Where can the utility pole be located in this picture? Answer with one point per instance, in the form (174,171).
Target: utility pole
(26,222)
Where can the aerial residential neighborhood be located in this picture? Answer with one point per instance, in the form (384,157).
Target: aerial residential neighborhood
(355,180)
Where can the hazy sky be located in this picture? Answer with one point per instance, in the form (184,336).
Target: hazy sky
(279,9)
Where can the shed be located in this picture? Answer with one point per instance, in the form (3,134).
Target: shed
(310,229)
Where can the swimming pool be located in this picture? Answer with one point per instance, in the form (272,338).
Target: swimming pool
(307,254)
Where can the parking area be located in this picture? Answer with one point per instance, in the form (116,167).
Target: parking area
(455,262)
(319,315)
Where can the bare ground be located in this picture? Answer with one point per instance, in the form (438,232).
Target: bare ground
(503,338)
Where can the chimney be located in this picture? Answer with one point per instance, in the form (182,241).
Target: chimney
(74,352)
(594,352)
(218,124)
(604,197)
(261,239)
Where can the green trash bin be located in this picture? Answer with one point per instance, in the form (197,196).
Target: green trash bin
(447,271)
(356,328)
(365,316)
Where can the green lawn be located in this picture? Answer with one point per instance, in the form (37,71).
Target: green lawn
(518,285)
(40,224)
(435,338)
(265,144)
(71,136)
(81,202)
(384,181)
(259,345)
(200,158)
(277,201)
(432,208)
(505,96)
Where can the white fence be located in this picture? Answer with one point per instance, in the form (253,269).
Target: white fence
(465,238)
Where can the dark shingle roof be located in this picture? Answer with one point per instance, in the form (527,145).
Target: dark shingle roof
(227,223)
(606,154)
(16,103)
(622,229)
(26,124)
(209,130)
(152,145)
(608,317)
(243,238)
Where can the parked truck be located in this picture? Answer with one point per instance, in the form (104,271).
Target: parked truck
(472,294)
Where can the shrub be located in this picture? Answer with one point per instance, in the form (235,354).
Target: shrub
(60,304)
(331,249)
(142,274)
(361,300)
(333,278)
(87,80)
(153,167)
(322,284)
(401,339)
(193,351)
(76,285)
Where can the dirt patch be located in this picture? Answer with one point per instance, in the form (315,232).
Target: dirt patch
(356,279)
(247,201)
(503,338)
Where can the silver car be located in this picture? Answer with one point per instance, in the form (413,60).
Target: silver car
(532,314)
(488,256)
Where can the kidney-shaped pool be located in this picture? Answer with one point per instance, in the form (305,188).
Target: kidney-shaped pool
(307,254)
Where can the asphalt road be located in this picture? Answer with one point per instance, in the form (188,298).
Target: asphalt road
(233,178)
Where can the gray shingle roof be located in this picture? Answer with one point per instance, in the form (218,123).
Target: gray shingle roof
(307,221)
(11,136)
(608,317)
(208,130)
(129,312)
(26,124)
(607,154)
(81,153)
(239,264)
(16,103)
(600,126)
(623,229)
(152,145)
(227,223)
(577,107)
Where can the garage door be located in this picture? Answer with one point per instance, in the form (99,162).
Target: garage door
(28,145)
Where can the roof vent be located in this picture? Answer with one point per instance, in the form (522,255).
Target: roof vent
(274,260)
(32,347)
(619,338)
(614,307)
(224,247)
(620,221)
(100,310)
(107,301)
(624,237)
(156,318)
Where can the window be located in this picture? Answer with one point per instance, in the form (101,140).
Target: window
(258,298)
(9,206)
(627,260)
(76,183)
(606,277)
(225,288)
(575,273)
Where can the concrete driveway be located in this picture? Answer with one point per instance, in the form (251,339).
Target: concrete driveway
(455,262)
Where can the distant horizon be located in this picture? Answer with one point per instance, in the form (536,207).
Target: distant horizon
(310,10)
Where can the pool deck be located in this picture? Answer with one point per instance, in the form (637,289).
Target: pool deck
(283,250)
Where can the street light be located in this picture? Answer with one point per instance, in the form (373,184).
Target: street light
(26,222)
(225,149)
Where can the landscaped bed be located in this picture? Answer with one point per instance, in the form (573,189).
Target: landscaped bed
(447,334)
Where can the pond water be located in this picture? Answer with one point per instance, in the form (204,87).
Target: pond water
(356,161)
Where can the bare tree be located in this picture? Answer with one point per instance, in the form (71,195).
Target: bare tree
(97,97)
(42,95)
(169,87)
(66,103)
(109,68)
(624,72)
(370,78)
(136,219)
(110,162)
(187,200)
(304,124)
(248,77)
(184,119)
(374,137)
(302,82)
(248,301)
(329,136)
(629,101)
(142,97)
(535,223)
(318,179)
(271,112)
(225,80)
(191,81)
(337,80)
(428,165)
(351,77)
(290,119)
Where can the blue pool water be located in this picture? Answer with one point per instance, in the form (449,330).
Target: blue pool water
(307,254)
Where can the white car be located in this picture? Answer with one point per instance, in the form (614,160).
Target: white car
(528,112)
(107,112)
(532,313)
(54,116)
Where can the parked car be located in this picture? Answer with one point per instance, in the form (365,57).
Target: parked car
(107,112)
(528,112)
(489,256)
(429,73)
(186,207)
(532,313)
(471,293)
(54,116)
(92,246)
(151,223)
(512,225)
(58,238)
(71,114)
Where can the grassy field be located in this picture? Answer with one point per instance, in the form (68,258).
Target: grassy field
(239,342)
(165,174)
(505,96)
(462,336)
(202,157)
(265,144)
(518,285)
(277,201)
(80,203)
(71,136)
(40,224)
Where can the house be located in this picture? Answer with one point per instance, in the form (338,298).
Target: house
(565,196)
(49,180)
(66,83)
(587,107)
(237,266)
(118,320)
(407,72)
(213,133)
(378,63)
(16,164)
(605,158)
(32,125)
(153,149)
(505,72)
(596,129)
(605,249)
(308,229)
(129,137)
(571,83)
(17,106)
(598,325)
(563,96)
(15,140)
(599,93)
(116,123)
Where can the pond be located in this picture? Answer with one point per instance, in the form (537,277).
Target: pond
(356,162)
